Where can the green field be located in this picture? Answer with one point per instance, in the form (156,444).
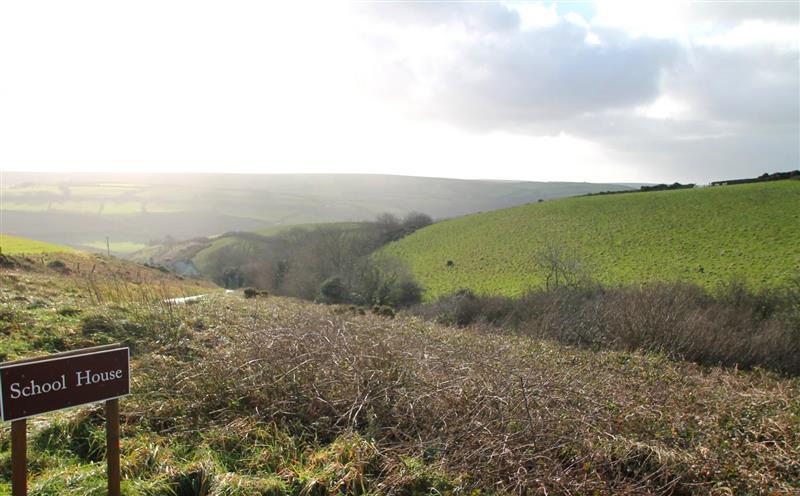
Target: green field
(707,235)
(13,245)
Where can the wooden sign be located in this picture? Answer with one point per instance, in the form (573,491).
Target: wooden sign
(64,380)
(36,386)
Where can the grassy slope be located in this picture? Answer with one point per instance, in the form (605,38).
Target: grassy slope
(203,259)
(275,396)
(37,299)
(749,231)
(13,245)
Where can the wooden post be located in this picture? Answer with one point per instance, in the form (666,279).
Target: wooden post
(112,446)
(19,458)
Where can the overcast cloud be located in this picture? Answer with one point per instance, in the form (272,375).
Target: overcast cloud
(597,91)
(723,97)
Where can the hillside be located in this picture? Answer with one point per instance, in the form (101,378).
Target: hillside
(44,296)
(210,255)
(708,235)
(14,245)
(273,396)
(132,210)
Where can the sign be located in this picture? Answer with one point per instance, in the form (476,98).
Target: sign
(55,382)
(38,385)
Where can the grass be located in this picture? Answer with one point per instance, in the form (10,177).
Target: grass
(235,396)
(121,247)
(705,236)
(14,245)
(46,308)
(204,258)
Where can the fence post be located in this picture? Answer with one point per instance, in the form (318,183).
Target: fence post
(19,458)
(112,446)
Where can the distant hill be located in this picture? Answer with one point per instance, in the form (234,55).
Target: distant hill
(704,235)
(132,210)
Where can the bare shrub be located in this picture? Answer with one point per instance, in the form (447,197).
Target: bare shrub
(562,266)
(462,411)
(735,327)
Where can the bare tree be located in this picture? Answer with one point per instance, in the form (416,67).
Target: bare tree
(562,266)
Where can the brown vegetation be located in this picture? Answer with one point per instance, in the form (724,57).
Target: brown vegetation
(483,411)
(733,326)
(240,396)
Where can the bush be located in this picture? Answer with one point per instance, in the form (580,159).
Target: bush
(462,308)
(58,266)
(398,406)
(383,310)
(405,294)
(735,327)
(99,324)
(333,291)
(7,262)
(416,220)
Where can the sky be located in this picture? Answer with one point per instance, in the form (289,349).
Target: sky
(605,91)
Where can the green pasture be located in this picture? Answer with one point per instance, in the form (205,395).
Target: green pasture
(13,245)
(707,235)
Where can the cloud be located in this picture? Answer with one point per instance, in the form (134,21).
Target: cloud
(476,16)
(754,85)
(665,88)
(678,19)
(703,158)
(735,12)
(704,107)
(547,74)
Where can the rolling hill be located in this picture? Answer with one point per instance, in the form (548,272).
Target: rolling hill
(704,235)
(81,210)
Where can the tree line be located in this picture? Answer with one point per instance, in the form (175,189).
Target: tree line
(331,264)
